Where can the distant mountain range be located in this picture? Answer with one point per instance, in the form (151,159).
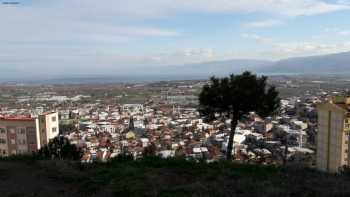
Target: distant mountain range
(338,63)
(323,64)
(209,68)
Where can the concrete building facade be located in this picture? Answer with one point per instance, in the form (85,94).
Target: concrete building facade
(23,135)
(333,135)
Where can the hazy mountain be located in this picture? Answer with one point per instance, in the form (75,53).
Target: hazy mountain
(173,72)
(323,64)
(210,68)
(338,63)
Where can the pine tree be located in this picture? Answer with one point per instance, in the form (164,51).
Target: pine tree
(234,97)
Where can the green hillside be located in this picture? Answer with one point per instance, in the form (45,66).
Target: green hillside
(156,177)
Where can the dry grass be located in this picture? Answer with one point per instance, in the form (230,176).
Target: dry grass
(155,177)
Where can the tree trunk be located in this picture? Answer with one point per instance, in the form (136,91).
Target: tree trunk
(285,155)
(230,140)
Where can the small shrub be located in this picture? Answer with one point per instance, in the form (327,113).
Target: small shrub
(60,148)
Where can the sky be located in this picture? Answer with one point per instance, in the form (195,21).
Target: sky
(59,37)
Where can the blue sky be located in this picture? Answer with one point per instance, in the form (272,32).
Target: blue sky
(107,36)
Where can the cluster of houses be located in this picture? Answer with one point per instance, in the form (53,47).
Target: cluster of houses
(166,130)
(172,127)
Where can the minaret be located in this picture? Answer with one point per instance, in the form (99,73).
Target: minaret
(131,124)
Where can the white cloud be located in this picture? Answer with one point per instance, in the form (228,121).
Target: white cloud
(37,24)
(337,31)
(184,56)
(264,23)
(199,52)
(65,24)
(344,2)
(344,33)
(281,49)
(281,7)
(311,48)
(87,19)
(257,38)
(301,49)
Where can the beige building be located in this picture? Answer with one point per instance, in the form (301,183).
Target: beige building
(48,127)
(21,135)
(333,134)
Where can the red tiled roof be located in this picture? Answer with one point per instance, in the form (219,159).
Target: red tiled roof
(17,118)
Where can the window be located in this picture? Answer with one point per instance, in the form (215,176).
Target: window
(53,119)
(12,131)
(32,142)
(21,131)
(31,131)
(22,142)
(54,129)
(13,141)
(2,130)
(2,141)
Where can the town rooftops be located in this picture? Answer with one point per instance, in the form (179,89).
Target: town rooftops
(17,118)
(48,113)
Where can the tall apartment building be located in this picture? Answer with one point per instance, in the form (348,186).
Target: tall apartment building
(333,134)
(21,135)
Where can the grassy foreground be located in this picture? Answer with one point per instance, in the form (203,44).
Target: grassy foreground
(155,177)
